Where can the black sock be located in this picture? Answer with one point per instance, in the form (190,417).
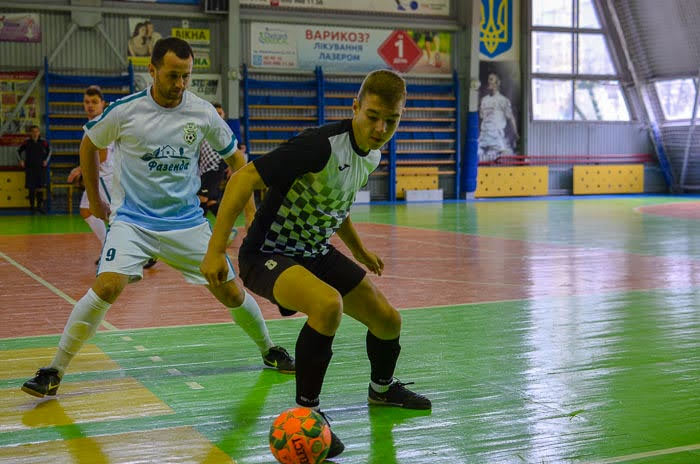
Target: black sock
(313,354)
(32,195)
(382,355)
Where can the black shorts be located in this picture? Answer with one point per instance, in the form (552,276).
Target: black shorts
(259,272)
(211,184)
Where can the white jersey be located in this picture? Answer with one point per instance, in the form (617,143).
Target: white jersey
(105,171)
(106,166)
(156,155)
(495,110)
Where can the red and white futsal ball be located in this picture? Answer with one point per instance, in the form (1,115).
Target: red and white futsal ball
(300,435)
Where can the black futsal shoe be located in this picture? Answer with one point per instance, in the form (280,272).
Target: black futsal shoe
(399,395)
(337,446)
(45,382)
(150,263)
(278,358)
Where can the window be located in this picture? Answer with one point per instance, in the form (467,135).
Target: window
(676,98)
(593,56)
(551,53)
(587,16)
(552,99)
(573,74)
(599,101)
(552,13)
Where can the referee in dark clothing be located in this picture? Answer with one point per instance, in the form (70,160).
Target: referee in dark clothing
(34,155)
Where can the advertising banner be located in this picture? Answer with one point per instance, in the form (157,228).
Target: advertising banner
(20,27)
(409,7)
(145,32)
(13,86)
(341,49)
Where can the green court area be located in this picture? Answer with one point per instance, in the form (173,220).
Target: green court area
(571,334)
(550,380)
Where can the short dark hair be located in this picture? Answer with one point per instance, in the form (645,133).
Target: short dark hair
(385,84)
(94,90)
(217,105)
(34,126)
(179,47)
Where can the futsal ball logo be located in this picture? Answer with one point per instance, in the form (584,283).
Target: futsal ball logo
(300,436)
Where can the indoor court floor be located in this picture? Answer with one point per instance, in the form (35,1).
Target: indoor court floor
(544,331)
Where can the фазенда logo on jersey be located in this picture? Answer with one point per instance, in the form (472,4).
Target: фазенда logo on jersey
(167,158)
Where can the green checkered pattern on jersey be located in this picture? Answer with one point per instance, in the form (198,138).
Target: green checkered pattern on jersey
(310,213)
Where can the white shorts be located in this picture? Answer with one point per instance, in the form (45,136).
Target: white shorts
(105,188)
(127,247)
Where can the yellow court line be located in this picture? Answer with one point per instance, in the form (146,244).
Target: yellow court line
(48,285)
(21,363)
(177,444)
(80,402)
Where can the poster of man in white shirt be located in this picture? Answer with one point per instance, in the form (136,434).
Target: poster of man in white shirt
(498,127)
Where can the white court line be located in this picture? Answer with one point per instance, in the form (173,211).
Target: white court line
(648,454)
(46,284)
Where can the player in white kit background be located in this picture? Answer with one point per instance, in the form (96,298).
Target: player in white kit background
(154,210)
(94,104)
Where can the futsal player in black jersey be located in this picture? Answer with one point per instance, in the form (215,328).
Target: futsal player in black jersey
(312,180)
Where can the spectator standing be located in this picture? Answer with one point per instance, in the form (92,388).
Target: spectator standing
(34,155)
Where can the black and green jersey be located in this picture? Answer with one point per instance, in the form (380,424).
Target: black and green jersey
(312,180)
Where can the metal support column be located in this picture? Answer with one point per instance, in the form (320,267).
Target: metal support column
(320,96)
(246,113)
(689,140)
(470,164)
(647,113)
(232,62)
(100,28)
(458,136)
(392,168)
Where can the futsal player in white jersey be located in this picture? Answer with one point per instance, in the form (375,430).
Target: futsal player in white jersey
(154,210)
(94,104)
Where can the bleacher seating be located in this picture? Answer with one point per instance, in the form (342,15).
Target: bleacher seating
(65,117)
(277,106)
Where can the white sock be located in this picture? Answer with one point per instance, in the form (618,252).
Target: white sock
(98,227)
(82,324)
(249,317)
(379,388)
